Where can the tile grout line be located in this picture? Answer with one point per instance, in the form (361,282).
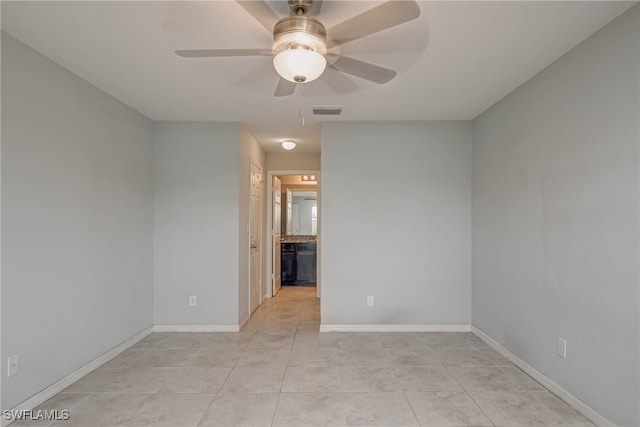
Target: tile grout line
(469,395)
(412,408)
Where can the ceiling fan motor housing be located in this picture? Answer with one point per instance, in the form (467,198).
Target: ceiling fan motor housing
(300,7)
(300,34)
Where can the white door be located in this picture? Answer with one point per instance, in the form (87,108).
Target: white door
(255,232)
(277,227)
(289,212)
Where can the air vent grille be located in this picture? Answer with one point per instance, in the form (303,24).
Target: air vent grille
(326,110)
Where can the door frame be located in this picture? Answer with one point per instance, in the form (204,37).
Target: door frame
(269,229)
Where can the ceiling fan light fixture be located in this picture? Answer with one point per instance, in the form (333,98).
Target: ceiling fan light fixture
(299,65)
(299,49)
(288,144)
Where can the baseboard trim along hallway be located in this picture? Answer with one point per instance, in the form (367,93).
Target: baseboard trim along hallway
(551,385)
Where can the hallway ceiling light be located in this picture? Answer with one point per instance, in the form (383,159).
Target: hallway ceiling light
(288,144)
(308,178)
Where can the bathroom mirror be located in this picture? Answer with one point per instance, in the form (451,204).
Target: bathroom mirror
(300,213)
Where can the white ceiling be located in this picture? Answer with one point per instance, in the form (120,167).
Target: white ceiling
(453,62)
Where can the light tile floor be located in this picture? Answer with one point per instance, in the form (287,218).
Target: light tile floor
(280,371)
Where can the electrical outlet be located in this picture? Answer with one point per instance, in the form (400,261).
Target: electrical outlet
(370,302)
(562,348)
(193,301)
(13,365)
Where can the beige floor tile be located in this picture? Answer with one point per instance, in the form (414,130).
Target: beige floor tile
(163,358)
(321,356)
(172,410)
(286,323)
(193,380)
(126,359)
(356,340)
(145,380)
(446,409)
(151,341)
(403,340)
(448,339)
(308,328)
(310,410)
(312,380)
(104,409)
(496,358)
(227,346)
(184,340)
(363,356)
(476,341)
(412,356)
(378,409)
(308,316)
(280,368)
(95,381)
(273,326)
(241,410)
(539,408)
(494,379)
(314,340)
(469,357)
(210,357)
(422,378)
(276,340)
(369,379)
(60,402)
(271,357)
(228,338)
(254,380)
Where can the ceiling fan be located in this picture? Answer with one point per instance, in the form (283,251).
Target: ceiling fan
(302,47)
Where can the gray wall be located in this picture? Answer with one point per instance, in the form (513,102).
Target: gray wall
(76,221)
(196,223)
(556,220)
(396,223)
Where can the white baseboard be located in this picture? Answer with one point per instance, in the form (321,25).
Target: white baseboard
(61,384)
(196,328)
(554,387)
(395,328)
(244,321)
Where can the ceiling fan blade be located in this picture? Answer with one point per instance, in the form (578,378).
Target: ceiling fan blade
(215,53)
(364,70)
(285,88)
(379,18)
(261,11)
(338,81)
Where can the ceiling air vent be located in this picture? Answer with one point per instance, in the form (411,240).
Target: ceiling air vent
(326,110)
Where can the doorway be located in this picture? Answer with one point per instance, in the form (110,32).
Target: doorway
(287,189)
